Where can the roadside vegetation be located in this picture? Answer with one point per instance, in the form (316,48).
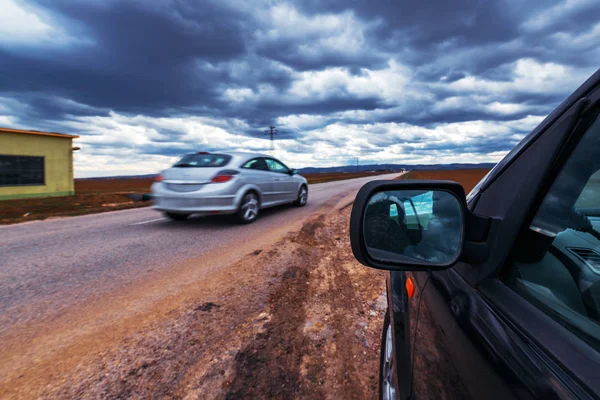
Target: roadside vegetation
(101,195)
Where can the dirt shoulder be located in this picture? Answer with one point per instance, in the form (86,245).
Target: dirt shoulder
(296,319)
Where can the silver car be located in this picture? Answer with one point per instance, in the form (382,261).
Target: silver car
(232,183)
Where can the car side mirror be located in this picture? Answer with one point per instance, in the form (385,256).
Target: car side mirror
(409,225)
(293,172)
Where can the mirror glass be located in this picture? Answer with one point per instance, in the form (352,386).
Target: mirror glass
(414,227)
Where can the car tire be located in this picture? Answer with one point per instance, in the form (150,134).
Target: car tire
(387,362)
(249,208)
(176,216)
(302,196)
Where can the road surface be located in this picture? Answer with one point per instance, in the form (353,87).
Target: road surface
(52,270)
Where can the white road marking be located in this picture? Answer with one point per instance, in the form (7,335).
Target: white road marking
(147,222)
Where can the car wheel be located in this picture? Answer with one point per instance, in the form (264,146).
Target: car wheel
(176,216)
(249,207)
(387,363)
(302,197)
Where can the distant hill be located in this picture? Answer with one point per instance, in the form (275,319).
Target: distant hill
(345,168)
(393,167)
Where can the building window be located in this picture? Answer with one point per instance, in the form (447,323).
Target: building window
(21,170)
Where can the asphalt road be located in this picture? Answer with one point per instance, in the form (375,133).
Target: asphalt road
(47,267)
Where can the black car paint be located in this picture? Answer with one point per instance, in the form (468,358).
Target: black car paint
(464,334)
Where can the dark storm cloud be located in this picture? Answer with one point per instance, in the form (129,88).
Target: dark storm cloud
(285,52)
(231,61)
(134,57)
(473,21)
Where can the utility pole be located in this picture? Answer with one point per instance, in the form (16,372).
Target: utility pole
(272,131)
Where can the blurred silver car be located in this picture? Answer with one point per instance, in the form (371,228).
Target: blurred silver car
(232,183)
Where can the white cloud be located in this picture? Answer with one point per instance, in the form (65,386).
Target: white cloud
(301,121)
(583,41)
(114,145)
(7,121)
(557,13)
(529,76)
(391,84)
(24,25)
(505,108)
(314,35)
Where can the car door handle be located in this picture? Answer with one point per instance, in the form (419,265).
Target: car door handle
(278,179)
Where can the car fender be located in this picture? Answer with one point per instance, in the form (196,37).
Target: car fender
(300,183)
(403,325)
(245,189)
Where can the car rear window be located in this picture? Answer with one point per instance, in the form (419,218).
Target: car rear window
(203,161)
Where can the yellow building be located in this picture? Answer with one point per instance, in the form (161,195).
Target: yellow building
(35,164)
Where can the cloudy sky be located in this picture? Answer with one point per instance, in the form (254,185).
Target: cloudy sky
(402,81)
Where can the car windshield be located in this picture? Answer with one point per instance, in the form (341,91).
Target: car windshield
(202,161)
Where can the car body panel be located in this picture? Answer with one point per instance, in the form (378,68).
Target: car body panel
(285,186)
(460,347)
(190,190)
(262,182)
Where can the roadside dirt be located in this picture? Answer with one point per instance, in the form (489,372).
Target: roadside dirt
(297,319)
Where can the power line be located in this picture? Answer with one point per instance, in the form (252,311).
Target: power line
(272,131)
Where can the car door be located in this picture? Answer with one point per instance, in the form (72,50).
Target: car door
(517,317)
(284,185)
(256,172)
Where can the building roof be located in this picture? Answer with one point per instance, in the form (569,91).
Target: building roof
(26,132)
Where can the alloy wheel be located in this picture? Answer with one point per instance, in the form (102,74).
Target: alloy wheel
(249,207)
(389,388)
(303,196)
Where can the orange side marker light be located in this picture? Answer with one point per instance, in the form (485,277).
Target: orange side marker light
(410,287)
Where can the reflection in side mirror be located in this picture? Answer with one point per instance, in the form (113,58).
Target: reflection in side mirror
(414,227)
(293,172)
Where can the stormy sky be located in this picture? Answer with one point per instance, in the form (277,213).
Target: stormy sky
(143,82)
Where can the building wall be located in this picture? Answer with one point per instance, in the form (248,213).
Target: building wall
(58,164)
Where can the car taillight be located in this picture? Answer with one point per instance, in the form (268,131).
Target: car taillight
(224,176)
(159,178)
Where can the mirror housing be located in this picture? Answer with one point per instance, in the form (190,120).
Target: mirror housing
(293,171)
(414,231)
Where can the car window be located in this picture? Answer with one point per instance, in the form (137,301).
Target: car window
(418,209)
(276,166)
(202,161)
(257,163)
(557,260)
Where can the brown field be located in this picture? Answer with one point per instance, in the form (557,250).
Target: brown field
(129,185)
(338,176)
(468,178)
(99,195)
(92,196)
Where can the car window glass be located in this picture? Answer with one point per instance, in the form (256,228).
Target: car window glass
(276,166)
(557,261)
(201,160)
(257,163)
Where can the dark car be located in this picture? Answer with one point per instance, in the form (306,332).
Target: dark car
(494,295)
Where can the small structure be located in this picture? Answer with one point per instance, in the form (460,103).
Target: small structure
(35,164)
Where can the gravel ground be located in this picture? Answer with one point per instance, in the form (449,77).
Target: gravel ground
(297,319)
